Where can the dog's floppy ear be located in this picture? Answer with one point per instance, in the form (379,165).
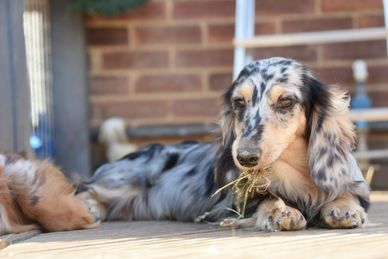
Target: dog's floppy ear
(330,134)
(225,165)
(227,126)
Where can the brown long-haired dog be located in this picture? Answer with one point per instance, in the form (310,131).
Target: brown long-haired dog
(35,194)
(275,113)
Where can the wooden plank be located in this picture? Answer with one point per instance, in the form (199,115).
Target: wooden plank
(14,90)
(21,98)
(308,38)
(385,3)
(6,109)
(371,154)
(166,239)
(70,89)
(370,115)
(7,240)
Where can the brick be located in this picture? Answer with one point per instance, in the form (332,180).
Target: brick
(378,74)
(204,57)
(370,20)
(167,34)
(380,180)
(220,81)
(335,75)
(350,5)
(355,50)
(135,59)
(108,85)
(220,33)
(378,140)
(302,53)
(135,109)
(379,98)
(277,7)
(152,10)
(262,28)
(198,9)
(105,36)
(172,83)
(201,107)
(317,24)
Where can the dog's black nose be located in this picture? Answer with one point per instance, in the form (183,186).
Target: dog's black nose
(247,159)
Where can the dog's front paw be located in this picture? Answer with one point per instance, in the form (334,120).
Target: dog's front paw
(229,223)
(343,216)
(282,219)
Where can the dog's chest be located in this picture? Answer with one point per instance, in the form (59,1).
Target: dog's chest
(291,182)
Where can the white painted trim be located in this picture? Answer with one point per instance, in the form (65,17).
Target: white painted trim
(305,38)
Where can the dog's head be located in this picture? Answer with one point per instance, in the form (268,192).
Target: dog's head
(273,102)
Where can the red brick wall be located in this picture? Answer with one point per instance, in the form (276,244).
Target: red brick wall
(169,61)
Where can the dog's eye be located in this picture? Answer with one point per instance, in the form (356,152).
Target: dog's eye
(285,102)
(239,102)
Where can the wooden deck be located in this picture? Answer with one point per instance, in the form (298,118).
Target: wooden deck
(174,239)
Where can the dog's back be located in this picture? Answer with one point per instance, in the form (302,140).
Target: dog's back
(159,182)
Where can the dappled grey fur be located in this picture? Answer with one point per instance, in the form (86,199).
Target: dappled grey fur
(171,182)
(177,181)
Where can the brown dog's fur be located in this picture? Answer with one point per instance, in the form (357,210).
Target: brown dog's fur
(35,194)
(11,218)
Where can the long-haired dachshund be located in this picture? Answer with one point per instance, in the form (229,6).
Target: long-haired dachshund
(275,113)
(36,195)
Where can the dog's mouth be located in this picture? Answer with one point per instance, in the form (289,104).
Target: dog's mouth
(259,172)
(249,182)
(255,169)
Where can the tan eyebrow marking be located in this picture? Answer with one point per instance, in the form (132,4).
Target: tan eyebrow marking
(246,91)
(275,92)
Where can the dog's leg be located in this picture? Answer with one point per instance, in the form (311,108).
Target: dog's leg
(344,212)
(238,223)
(274,215)
(19,228)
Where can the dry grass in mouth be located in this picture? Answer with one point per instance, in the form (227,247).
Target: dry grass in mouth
(249,182)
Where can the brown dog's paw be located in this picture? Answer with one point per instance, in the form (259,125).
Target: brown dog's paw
(343,216)
(18,228)
(282,219)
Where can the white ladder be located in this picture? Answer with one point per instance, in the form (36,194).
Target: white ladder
(245,35)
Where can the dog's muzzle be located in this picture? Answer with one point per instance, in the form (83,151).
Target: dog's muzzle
(247,158)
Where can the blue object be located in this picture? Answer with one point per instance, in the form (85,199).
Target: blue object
(42,140)
(361,101)
(35,142)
